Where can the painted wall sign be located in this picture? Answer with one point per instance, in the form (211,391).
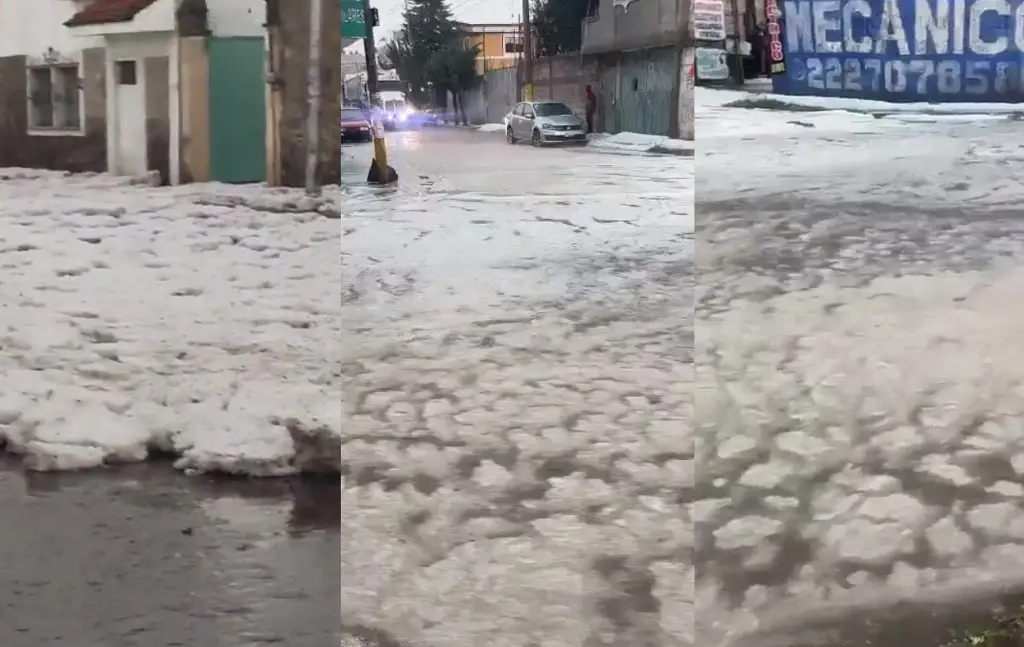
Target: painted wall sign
(904,50)
(776,54)
(711,64)
(709,20)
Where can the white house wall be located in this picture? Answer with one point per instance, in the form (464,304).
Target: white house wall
(237,17)
(31,27)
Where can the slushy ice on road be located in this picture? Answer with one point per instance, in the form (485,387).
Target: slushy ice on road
(518,458)
(858,378)
(150,336)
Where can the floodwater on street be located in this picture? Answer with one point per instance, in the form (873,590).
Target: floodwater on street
(860,445)
(146,557)
(517,458)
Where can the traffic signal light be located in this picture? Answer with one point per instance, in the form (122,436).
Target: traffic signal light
(374,17)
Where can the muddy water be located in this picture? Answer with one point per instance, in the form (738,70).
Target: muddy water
(146,556)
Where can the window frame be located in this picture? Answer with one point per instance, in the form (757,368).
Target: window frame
(60,110)
(512,39)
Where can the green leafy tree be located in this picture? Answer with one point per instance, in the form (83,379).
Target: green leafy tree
(427,30)
(558,25)
(454,70)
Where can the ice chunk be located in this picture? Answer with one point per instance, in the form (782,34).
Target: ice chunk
(235,443)
(61,457)
(60,426)
(317,447)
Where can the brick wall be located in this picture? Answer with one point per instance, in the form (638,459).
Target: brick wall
(564,78)
(559,78)
(77,153)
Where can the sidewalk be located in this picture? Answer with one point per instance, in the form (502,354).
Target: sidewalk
(621,142)
(761,97)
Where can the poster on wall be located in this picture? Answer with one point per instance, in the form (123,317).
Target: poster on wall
(776,53)
(903,50)
(709,20)
(711,64)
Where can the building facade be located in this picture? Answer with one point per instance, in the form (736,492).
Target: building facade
(500,45)
(640,47)
(133,87)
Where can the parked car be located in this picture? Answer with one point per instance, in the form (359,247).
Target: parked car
(427,116)
(544,122)
(355,126)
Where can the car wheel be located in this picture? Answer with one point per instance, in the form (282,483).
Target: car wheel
(536,140)
(509,136)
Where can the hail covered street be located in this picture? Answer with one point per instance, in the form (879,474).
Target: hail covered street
(517,448)
(858,368)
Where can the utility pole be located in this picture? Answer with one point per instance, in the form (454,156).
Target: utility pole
(380,172)
(527,50)
(370,50)
(315,96)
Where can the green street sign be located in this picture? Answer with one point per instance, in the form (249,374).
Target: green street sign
(353,21)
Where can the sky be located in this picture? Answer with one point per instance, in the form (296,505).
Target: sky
(472,11)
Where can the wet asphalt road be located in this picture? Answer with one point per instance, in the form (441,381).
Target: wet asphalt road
(858,378)
(146,557)
(517,453)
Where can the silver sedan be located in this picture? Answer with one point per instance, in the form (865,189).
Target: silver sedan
(544,122)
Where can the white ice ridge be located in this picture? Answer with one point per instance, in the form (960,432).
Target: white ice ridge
(200,321)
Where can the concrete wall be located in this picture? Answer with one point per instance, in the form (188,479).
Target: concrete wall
(640,23)
(157,71)
(144,48)
(291,26)
(686,96)
(560,78)
(29,38)
(564,78)
(195,110)
(80,151)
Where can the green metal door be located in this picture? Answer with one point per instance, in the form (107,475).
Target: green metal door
(647,79)
(238,107)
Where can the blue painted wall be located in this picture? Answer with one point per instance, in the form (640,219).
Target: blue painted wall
(938,51)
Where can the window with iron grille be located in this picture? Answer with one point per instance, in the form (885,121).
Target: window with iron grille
(513,44)
(54,98)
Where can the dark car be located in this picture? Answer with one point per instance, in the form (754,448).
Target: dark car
(426,116)
(355,126)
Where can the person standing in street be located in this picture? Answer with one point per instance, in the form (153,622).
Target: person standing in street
(591,108)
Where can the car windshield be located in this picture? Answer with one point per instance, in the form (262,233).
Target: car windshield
(394,106)
(552,109)
(352,114)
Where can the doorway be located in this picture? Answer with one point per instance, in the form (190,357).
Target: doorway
(130,115)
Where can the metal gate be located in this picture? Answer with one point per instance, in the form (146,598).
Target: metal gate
(607,96)
(238,119)
(646,88)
